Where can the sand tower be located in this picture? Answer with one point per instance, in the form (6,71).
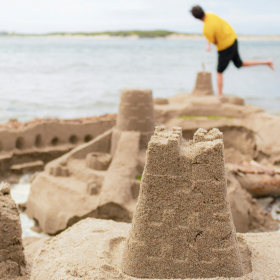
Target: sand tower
(136,113)
(203,85)
(182,226)
(12,260)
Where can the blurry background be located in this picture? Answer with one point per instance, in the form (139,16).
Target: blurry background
(68,77)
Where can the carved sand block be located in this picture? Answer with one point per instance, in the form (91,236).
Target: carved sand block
(98,161)
(182,226)
(203,85)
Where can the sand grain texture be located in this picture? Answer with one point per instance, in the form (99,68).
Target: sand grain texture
(92,249)
(182,226)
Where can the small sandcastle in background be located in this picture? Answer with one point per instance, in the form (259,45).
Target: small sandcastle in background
(182,226)
(203,84)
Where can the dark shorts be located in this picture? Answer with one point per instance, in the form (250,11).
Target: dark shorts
(225,56)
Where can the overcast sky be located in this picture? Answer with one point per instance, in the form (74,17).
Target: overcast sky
(42,16)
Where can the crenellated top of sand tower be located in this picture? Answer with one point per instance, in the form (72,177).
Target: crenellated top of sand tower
(170,138)
(202,135)
(182,226)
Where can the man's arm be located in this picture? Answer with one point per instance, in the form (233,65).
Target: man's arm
(208,46)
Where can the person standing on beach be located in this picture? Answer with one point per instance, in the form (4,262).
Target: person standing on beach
(219,32)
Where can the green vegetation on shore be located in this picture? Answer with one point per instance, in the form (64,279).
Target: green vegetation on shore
(132,33)
(139,33)
(129,33)
(191,117)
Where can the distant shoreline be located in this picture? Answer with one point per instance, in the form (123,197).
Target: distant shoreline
(137,34)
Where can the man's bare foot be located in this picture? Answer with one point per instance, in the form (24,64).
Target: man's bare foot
(270,64)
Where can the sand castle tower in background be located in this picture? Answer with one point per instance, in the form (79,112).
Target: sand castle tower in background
(136,113)
(182,226)
(203,85)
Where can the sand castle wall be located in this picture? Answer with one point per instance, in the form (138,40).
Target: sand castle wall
(51,134)
(44,142)
(12,260)
(116,190)
(182,226)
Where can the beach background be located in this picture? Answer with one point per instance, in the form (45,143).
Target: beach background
(80,76)
(66,77)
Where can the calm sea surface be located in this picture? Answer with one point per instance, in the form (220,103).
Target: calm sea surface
(69,78)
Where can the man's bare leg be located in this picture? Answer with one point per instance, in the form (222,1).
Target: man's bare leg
(220,83)
(253,63)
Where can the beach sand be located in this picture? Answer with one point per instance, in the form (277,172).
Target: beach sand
(93,249)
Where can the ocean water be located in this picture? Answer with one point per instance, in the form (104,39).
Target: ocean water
(20,193)
(80,77)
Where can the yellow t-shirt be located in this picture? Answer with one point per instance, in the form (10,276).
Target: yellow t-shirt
(218,31)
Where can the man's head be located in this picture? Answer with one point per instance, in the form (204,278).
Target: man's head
(198,12)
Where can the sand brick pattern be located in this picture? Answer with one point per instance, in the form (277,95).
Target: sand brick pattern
(136,110)
(182,226)
(203,85)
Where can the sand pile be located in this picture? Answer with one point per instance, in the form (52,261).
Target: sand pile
(248,215)
(12,260)
(93,249)
(249,132)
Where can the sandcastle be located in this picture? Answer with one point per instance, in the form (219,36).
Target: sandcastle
(182,226)
(97,179)
(203,85)
(12,259)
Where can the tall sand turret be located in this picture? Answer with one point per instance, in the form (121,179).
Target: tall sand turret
(203,85)
(182,226)
(136,113)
